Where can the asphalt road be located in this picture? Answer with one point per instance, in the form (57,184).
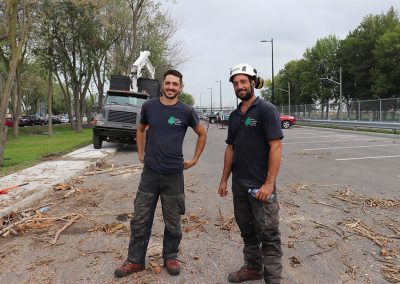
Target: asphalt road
(331,230)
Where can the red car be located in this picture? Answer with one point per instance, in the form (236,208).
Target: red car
(9,122)
(287,120)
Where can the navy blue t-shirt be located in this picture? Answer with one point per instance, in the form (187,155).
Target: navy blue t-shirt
(249,135)
(164,138)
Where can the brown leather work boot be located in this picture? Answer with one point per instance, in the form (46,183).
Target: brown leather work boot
(128,268)
(173,266)
(244,274)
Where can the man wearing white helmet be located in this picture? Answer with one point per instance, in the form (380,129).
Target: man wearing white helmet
(253,155)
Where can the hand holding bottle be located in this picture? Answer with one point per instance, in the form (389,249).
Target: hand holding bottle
(253,192)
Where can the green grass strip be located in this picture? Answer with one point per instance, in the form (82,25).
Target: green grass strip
(33,145)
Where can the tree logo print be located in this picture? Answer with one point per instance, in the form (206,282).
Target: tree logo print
(171,120)
(250,121)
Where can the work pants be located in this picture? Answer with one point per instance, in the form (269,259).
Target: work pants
(259,226)
(170,188)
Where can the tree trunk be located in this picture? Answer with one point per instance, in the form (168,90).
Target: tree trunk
(66,95)
(50,102)
(17,99)
(15,111)
(11,8)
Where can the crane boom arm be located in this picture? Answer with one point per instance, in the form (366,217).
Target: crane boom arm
(136,71)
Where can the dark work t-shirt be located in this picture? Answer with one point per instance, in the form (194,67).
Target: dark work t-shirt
(249,135)
(164,138)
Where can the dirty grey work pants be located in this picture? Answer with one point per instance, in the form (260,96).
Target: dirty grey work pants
(170,188)
(259,226)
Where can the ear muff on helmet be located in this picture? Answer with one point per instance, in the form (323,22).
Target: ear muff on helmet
(259,83)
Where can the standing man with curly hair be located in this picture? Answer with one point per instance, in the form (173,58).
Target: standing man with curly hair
(166,120)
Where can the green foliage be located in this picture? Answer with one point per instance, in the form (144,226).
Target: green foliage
(320,62)
(387,72)
(33,145)
(359,60)
(369,58)
(186,98)
(266,91)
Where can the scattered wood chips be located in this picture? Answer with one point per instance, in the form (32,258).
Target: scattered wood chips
(109,228)
(226,223)
(193,223)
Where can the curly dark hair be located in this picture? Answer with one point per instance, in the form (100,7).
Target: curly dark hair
(175,73)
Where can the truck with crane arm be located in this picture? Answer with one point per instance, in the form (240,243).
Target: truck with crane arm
(120,115)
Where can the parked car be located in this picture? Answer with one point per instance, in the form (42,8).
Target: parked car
(223,117)
(64,119)
(29,120)
(212,117)
(55,120)
(9,122)
(287,120)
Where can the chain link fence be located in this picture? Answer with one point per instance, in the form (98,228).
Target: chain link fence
(380,110)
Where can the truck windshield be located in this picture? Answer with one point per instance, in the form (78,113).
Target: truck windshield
(122,99)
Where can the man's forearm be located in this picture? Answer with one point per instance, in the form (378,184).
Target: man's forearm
(228,157)
(140,137)
(201,141)
(200,144)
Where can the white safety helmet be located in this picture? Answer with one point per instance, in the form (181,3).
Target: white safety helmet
(242,68)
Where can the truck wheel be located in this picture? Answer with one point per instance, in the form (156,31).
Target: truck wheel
(97,141)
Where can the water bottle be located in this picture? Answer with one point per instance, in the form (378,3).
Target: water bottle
(253,192)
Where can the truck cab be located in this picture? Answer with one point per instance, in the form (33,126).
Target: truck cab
(120,115)
(118,120)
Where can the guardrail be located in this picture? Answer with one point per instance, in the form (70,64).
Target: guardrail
(394,126)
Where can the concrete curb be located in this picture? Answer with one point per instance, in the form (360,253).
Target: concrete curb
(42,177)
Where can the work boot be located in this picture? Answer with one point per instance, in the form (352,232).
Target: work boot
(173,266)
(244,274)
(128,268)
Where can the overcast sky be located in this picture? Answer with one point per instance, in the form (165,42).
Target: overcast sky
(219,34)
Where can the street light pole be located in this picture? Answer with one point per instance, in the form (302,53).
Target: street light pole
(340,93)
(220,95)
(288,83)
(211,99)
(272,60)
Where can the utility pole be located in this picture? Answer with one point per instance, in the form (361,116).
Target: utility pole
(272,60)
(211,100)
(220,95)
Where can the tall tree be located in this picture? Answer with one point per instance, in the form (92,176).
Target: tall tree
(387,57)
(74,45)
(356,54)
(186,98)
(321,63)
(17,21)
(113,21)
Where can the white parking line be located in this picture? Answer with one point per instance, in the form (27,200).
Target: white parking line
(350,147)
(347,140)
(364,158)
(343,136)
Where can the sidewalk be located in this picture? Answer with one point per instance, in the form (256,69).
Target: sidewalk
(42,177)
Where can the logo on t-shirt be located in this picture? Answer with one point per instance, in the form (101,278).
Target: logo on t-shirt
(250,121)
(173,120)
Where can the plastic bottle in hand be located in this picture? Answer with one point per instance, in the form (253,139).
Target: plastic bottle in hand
(253,192)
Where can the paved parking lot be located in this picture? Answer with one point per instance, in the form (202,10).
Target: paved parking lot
(369,162)
(325,238)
